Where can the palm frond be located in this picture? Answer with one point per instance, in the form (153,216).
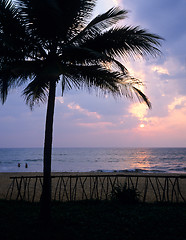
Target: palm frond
(109,82)
(12,30)
(36,92)
(83,11)
(125,41)
(100,24)
(119,65)
(8,80)
(93,76)
(15,74)
(79,55)
(4,88)
(142,97)
(129,87)
(10,13)
(56,19)
(67,83)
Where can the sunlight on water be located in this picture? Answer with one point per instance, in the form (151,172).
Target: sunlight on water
(142,161)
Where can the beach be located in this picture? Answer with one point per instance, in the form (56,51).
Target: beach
(93,219)
(81,186)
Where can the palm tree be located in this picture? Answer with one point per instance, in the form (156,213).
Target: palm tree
(49,42)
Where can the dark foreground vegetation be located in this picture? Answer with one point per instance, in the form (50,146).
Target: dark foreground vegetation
(94,220)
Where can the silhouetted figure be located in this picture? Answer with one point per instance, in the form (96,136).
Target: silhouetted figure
(19,164)
(26,165)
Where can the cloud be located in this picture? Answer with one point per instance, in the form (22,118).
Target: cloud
(60,99)
(170,128)
(96,124)
(160,70)
(77,107)
(178,103)
(116,2)
(172,124)
(138,110)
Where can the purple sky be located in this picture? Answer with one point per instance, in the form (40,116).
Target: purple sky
(84,120)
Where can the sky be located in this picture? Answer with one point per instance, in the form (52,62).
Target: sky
(83,119)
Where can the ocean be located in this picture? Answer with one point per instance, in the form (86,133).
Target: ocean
(162,160)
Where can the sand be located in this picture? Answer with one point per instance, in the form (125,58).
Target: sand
(78,186)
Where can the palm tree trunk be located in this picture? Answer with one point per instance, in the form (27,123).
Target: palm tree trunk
(45,211)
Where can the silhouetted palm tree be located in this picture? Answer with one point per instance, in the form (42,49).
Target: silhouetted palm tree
(47,42)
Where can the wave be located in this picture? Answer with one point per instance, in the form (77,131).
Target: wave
(113,161)
(137,170)
(172,158)
(178,169)
(33,160)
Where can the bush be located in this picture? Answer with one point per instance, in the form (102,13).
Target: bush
(125,194)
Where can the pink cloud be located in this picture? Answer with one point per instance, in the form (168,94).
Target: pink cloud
(96,124)
(77,107)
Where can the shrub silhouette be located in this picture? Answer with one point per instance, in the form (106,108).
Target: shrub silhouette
(124,194)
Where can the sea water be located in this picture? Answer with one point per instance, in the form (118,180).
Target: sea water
(165,160)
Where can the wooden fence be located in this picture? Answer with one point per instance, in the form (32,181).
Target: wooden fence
(152,188)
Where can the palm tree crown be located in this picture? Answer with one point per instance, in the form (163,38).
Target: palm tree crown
(43,41)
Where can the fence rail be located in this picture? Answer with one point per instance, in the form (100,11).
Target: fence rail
(152,188)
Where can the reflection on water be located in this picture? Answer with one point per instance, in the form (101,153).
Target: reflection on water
(141,160)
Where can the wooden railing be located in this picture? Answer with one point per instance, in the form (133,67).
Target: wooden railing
(152,188)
